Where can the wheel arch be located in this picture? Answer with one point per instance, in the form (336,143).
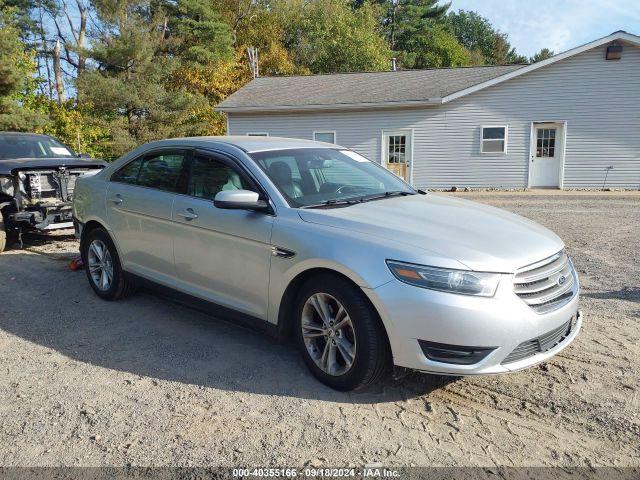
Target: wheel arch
(287,302)
(91,225)
(87,228)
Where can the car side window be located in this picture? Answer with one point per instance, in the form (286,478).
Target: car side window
(162,171)
(128,173)
(210,176)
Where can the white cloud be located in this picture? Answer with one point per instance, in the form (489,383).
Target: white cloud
(556,24)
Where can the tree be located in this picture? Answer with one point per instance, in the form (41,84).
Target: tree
(16,70)
(327,36)
(129,90)
(476,34)
(406,17)
(69,41)
(473,31)
(433,47)
(196,33)
(541,55)
(504,53)
(415,32)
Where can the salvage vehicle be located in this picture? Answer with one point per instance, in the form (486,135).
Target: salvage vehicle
(314,241)
(37,179)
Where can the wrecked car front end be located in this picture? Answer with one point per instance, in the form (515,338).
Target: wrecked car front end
(39,197)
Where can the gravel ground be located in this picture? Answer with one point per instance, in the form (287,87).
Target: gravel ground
(148,382)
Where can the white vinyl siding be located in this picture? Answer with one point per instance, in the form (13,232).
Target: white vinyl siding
(599,100)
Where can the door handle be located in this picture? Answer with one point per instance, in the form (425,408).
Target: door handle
(117,199)
(188,214)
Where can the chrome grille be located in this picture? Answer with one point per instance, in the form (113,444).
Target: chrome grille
(542,344)
(548,284)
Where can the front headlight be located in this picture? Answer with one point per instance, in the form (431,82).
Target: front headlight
(446,280)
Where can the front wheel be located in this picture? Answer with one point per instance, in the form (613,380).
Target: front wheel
(102,266)
(340,335)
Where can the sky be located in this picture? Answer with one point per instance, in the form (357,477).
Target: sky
(555,24)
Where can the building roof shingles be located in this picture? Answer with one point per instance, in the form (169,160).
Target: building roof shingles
(264,93)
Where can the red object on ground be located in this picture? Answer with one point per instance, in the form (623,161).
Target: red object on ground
(76,263)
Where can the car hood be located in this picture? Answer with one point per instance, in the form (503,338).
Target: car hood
(8,166)
(481,237)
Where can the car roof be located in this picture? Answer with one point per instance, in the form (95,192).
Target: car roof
(247,143)
(24,134)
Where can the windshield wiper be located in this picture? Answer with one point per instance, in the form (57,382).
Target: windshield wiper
(333,203)
(392,193)
(353,201)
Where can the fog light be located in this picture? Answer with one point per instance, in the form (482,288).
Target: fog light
(456,354)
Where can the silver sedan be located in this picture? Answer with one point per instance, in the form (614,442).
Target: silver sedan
(313,241)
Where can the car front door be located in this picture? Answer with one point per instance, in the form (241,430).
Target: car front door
(139,202)
(222,255)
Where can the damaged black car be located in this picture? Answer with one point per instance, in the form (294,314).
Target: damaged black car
(37,179)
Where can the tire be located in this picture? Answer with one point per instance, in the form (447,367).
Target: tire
(3,235)
(119,286)
(365,334)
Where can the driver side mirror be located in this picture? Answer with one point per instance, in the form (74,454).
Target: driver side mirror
(239,200)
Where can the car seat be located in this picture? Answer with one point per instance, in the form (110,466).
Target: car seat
(280,173)
(207,180)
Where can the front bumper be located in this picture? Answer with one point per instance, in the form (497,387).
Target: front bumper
(500,324)
(44,218)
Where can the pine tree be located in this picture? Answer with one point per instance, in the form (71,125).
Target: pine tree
(543,54)
(132,90)
(407,17)
(196,33)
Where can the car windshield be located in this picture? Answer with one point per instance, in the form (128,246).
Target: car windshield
(316,177)
(32,146)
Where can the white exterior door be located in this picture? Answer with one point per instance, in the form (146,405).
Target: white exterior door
(397,152)
(546,154)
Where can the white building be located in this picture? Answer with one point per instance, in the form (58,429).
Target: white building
(566,122)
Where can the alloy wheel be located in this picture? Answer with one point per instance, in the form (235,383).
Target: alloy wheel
(328,334)
(100,265)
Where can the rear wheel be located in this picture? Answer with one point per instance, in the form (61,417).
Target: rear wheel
(340,335)
(102,266)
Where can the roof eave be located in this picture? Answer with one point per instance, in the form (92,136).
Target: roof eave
(335,107)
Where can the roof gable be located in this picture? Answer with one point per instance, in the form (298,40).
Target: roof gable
(620,35)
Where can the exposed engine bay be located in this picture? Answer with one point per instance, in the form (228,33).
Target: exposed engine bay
(39,198)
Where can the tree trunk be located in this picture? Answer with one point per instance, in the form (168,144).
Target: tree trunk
(81,35)
(44,48)
(82,29)
(57,71)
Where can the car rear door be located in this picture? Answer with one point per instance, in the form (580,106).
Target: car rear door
(139,202)
(222,255)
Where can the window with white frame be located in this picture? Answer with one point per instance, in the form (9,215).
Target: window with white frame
(257,134)
(493,139)
(328,137)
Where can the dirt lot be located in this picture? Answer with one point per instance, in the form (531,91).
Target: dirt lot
(148,382)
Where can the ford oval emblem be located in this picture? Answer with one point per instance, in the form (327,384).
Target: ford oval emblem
(561,279)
